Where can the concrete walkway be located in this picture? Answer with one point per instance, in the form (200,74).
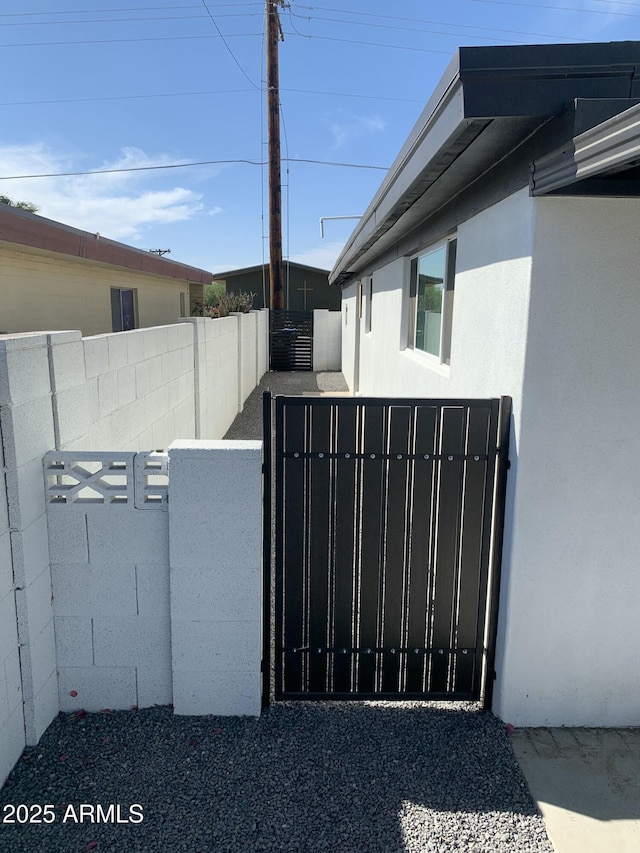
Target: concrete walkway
(586,783)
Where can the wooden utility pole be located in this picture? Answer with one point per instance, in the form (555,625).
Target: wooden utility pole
(274,35)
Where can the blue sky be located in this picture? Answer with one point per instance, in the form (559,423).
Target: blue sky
(124,84)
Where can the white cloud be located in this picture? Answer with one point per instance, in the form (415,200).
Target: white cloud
(346,128)
(323,255)
(118,205)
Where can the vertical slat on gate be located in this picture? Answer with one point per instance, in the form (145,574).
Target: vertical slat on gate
(319,546)
(448,533)
(344,541)
(267,542)
(370,526)
(420,563)
(291,426)
(472,556)
(394,554)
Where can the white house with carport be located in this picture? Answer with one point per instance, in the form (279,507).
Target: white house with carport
(501,256)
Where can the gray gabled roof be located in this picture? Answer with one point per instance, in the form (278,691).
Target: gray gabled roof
(489,101)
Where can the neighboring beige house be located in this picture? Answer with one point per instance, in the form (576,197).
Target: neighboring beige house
(56,277)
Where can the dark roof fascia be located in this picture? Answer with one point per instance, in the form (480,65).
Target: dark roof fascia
(514,89)
(220,276)
(609,147)
(28,229)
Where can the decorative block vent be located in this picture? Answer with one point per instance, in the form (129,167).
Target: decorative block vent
(76,479)
(152,480)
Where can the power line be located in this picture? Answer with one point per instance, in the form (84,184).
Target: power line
(122,41)
(231,53)
(126,20)
(554,8)
(194,163)
(422,30)
(126,9)
(435,23)
(206,92)
(373,44)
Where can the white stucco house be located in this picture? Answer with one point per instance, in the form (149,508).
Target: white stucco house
(501,256)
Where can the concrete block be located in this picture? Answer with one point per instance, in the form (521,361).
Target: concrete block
(145,439)
(120,429)
(135,346)
(67,537)
(46,707)
(185,334)
(96,355)
(42,653)
(162,339)
(155,372)
(30,549)
(172,338)
(126,385)
(202,646)
(216,593)
(98,687)
(152,584)
(24,372)
(12,680)
(221,693)
(66,360)
(135,536)
(224,477)
(8,623)
(94,590)
(4,509)
(142,641)
(72,415)
(33,605)
(12,742)
(74,641)
(117,344)
(108,393)
(25,492)
(155,687)
(6,564)
(143,379)
(150,345)
(27,431)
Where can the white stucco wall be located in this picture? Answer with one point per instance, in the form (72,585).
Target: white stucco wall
(546,309)
(570,629)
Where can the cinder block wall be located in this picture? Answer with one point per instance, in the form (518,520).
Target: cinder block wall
(110,584)
(327,339)
(161,605)
(28,666)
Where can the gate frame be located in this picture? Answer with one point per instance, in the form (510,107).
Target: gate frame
(273,460)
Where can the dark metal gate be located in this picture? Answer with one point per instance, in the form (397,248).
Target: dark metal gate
(291,340)
(388,533)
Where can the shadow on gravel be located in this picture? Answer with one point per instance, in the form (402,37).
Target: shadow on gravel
(304,777)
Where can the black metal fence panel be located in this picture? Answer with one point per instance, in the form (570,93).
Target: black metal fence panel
(291,340)
(384,520)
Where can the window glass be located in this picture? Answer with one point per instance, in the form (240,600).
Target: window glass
(430,289)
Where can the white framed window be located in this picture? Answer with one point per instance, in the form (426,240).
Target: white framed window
(431,285)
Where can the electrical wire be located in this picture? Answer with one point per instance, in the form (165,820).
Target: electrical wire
(421,30)
(231,53)
(126,9)
(375,44)
(127,41)
(435,23)
(126,20)
(553,8)
(205,92)
(194,163)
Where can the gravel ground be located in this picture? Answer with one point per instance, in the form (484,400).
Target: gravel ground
(248,424)
(345,777)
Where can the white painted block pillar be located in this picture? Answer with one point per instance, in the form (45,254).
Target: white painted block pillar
(27,430)
(215,556)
